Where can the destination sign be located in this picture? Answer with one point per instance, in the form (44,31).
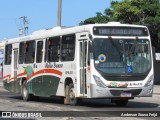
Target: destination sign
(120,31)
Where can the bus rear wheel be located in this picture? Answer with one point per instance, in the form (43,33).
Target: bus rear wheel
(121,103)
(26,96)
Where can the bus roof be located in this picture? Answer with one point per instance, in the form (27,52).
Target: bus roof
(57,31)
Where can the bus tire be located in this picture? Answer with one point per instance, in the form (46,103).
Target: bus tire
(26,96)
(36,98)
(66,97)
(121,103)
(73,100)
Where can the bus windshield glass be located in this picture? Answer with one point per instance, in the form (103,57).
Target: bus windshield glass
(122,56)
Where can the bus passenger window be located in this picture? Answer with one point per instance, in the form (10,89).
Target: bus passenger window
(68,48)
(30,52)
(53,49)
(8,54)
(21,52)
(39,54)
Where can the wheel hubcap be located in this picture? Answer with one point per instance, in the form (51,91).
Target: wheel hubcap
(72,94)
(24,91)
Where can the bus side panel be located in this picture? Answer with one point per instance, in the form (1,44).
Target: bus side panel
(12,86)
(46,87)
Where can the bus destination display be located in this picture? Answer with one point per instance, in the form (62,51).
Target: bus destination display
(120,31)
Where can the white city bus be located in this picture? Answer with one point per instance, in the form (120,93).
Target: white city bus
(110,60)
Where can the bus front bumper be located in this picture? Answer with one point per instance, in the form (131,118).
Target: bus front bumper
(99,92)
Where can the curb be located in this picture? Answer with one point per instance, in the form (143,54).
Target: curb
(156,93)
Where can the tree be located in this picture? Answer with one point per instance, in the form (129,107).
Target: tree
(99,18)
(125,12)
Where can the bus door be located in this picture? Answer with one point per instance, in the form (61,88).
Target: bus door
(83,51)
(15,69)
(15,63)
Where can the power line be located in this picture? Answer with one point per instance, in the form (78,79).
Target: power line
(24,30)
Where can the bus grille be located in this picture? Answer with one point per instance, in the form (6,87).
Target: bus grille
(118,92)
(124,78)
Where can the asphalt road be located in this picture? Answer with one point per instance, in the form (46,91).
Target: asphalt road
(13,102)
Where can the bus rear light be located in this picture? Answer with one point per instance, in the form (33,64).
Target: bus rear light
(88,68)
(2,73)
(1,70)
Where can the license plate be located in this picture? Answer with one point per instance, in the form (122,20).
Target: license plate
(126,94)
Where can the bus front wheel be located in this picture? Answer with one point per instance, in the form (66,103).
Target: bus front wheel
(73,99)
(70,96)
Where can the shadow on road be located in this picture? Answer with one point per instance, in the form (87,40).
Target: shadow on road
(102,103)
(95,103)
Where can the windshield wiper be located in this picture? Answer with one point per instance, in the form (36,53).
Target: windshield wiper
(115,46)
(133,48)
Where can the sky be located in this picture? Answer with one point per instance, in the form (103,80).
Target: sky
(42,14)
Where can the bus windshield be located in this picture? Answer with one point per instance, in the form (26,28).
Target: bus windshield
(122,56)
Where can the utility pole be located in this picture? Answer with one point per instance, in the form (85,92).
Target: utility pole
(24,30)
(59,13)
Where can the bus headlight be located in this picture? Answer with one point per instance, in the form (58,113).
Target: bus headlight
(99,81)
(150,81)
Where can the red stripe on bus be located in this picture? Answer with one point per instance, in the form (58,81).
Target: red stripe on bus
(37,73)
(21,74)
(48,71)
(7,76)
